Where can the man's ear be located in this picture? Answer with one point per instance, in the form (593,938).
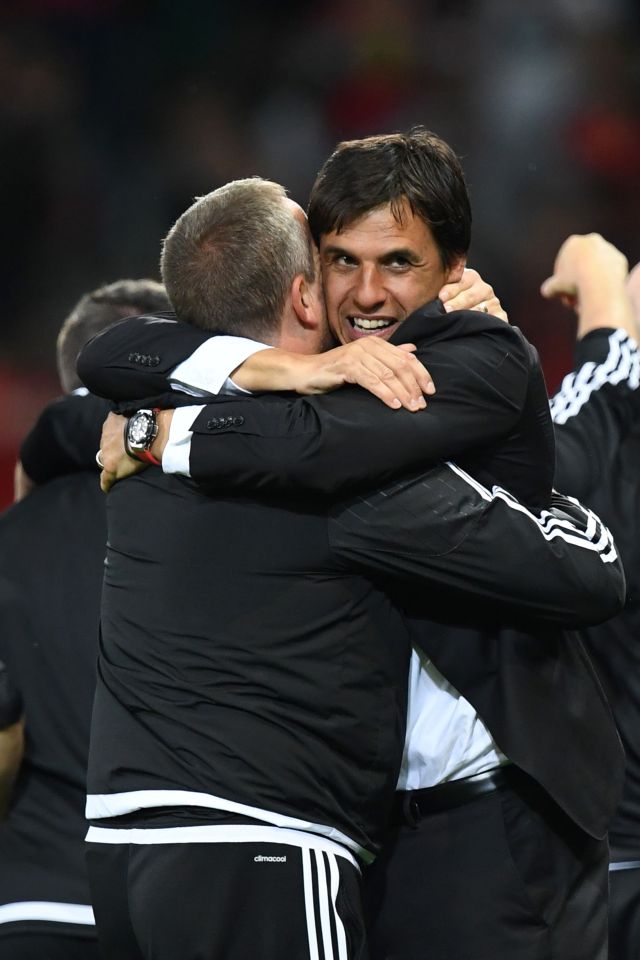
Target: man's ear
(302,300)
(455,270)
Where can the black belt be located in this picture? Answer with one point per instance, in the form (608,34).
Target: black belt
(410,806)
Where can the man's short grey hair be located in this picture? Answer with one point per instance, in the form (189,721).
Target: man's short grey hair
(99,309)
(229,261)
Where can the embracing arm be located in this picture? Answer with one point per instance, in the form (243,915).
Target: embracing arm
(347,439)
(306,443)
(133,359)
(327,443)
(141,357)
(146,356)
(443,529)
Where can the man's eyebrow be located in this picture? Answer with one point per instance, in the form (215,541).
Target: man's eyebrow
(334,250)
(405,252)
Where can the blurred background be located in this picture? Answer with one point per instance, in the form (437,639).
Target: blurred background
(115,114)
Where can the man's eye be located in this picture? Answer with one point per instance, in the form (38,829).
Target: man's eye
(399,262)
(342,260)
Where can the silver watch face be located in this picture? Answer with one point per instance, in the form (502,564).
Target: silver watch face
(140,427)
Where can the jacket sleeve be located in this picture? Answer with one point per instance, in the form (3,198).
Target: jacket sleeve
(64,438)
(594,410)
(132,359)
(444,529)
(348,439)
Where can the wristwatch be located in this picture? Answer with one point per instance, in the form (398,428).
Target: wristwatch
(140,431)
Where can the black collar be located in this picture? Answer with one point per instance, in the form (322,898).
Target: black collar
(412,328)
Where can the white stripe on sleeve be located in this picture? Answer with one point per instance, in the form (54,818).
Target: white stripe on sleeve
(622,363)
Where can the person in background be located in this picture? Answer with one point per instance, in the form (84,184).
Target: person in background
(596,414)
(53,545)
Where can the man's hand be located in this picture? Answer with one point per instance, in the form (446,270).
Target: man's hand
(589,275)
(472,293)
(391,373)
(117,464)
(633,289)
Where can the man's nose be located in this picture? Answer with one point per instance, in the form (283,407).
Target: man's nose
(369,292)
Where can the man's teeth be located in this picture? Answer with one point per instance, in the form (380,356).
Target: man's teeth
(363,323)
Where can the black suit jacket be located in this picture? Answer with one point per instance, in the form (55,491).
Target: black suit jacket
(534,687)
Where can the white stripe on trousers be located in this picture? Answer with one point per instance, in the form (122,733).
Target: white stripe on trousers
(319,918)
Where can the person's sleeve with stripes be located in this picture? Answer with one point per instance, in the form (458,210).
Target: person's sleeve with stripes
(594,409)
(445,530)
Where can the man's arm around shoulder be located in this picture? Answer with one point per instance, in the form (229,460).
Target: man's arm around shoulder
(443,528)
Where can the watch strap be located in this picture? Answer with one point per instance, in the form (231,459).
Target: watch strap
(147,457)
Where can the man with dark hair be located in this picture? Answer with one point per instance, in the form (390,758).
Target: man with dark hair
(50,583)
(479,786)
(416,173)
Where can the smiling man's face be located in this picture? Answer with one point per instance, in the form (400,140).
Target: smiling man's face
(378,270)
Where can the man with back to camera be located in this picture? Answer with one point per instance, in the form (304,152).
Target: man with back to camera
(50,582)
(249,704)
(596,414)
(381,260)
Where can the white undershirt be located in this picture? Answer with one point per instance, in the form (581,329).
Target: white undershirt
(445,739)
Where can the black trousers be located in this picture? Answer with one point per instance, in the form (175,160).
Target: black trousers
(506,876)
(47,946)
(225,901)
(624,916)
